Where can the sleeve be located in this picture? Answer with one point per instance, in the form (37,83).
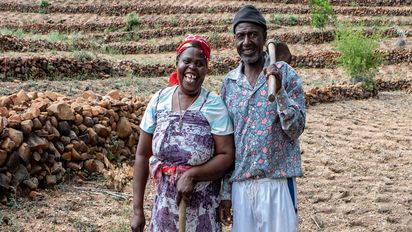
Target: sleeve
(148,123)
(291,104)
(218,116)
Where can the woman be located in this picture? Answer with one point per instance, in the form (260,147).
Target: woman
(186,141)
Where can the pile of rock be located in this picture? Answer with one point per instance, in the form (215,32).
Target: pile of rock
(43,135)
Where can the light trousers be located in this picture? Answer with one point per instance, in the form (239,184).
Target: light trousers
(265,205)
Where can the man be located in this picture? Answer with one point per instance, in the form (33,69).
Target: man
(262,188)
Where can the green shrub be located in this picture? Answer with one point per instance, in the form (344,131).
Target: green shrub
(293,20)
(173,21)
(276,19)
(132,21)
(359,57)
(55,36)
(44,3)
(321,12)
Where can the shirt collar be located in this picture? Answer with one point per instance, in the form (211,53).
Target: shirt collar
(237,73)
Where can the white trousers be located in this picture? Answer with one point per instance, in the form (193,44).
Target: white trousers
(264,205)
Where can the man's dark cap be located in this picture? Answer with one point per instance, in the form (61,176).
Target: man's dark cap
(249,14)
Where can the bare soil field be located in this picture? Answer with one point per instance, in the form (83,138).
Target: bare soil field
(357,158)
(357,154)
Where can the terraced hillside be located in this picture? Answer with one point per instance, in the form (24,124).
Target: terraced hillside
(357,153)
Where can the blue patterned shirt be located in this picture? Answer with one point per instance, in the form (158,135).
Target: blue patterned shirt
(266,133)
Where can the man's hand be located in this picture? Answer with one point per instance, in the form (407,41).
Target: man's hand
(273,69)
(225,212)
(137,221)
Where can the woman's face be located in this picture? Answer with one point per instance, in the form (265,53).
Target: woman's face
(191,70)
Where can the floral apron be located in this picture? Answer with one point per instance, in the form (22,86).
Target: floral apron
(175,149)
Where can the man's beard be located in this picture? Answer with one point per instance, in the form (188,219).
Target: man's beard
(251,59)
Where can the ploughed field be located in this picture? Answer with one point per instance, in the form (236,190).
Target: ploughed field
(357,154)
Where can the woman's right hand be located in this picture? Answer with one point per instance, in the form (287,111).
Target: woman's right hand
(137,221)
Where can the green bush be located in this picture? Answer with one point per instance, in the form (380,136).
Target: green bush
(359,57)
(132,21)
(44,3)
(321,12)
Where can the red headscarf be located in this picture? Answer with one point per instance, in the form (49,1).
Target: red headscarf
(190,40)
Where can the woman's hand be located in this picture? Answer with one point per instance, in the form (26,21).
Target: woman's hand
(185,186)
(137,221)
(225,212)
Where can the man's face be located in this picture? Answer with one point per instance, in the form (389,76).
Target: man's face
(250,39)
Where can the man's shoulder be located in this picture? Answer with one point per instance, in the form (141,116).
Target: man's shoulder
(232,75)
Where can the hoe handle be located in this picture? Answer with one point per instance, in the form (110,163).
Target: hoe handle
(182,215)
(271,48)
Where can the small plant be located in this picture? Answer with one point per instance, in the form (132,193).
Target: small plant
(321,12)
(132,21)
(83,56)
(210,10)
(44,3)
(276,19)
(359,57)
(293,20)
(43,6)
(173,21)
(55,36)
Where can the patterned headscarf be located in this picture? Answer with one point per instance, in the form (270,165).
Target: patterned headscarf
(190,40)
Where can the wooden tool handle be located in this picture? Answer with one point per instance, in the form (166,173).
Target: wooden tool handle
(271,48)
(182,215)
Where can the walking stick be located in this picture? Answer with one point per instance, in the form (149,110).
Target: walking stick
(182,215)
(271,48)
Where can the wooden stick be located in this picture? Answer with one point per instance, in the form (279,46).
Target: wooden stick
(271,48)
(182,215)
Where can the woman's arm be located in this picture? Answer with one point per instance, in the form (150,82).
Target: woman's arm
(140,175)
(214,169)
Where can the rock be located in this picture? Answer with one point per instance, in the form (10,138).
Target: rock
(3,123)
(12,162)
(96,110)
(24,153)
(51,95)
(88,121)
(74,166)
(54,150)
(67,156)
(5,101)
(32,112)
(37,124)
(64,128)
(73,135)
(31,183)
(36,156)
(35,169)
(400,43)
(124,128)
(40,104)
(14,120)
(33,195)
(85,138)
(51,180)
(4,181)
(54,121)
(114,94)
(3,157)
(59,146)
(61,110)
(8,144)
(93,165)
(56,168)
(26,127)
(75,155)
(78,119)
(20,98)
(88,94)
(16,136)
(65,140)
(101,130)
(4,112)
(20,175)
(36,142)
(92,136)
